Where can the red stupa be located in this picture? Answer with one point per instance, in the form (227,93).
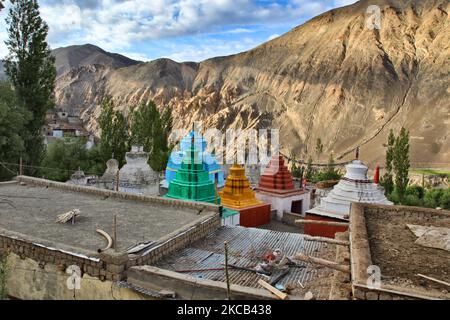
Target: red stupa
(276,186)
(277,178)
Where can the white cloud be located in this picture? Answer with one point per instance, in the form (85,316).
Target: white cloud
(273,37)
(117,25)
(212,48)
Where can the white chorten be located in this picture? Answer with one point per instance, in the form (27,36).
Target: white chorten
(353,187)
(136,176)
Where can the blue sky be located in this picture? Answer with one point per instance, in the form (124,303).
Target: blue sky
(183,30)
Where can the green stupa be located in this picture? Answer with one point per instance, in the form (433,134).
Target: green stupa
(192,181)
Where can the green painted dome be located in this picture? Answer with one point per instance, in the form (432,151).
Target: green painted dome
(192,181)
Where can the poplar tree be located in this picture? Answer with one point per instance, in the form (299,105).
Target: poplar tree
(114,135)
(401,163)
(151,129)
(30,67)
(388,181)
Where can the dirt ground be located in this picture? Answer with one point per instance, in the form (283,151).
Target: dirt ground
(400,259)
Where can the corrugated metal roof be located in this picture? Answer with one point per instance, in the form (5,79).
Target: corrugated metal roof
(247,246)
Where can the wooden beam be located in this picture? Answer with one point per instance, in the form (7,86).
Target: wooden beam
(322,262)
(434,280)
(325,223)
(280,295)
(327,240)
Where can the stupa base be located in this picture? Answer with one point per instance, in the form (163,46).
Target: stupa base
(295,202)
(254,216)
(319,230)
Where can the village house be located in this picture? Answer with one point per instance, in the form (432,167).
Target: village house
(129,246)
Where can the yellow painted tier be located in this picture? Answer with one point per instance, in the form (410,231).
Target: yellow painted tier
(237,193)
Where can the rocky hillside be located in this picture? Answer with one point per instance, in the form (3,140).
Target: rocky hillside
(331,78)
(88,55)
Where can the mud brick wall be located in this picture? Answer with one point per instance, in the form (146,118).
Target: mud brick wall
(42,255)
(177,241)
(360,249)
(408,212)
(120,195)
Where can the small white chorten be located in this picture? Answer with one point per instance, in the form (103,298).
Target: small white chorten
(353,187)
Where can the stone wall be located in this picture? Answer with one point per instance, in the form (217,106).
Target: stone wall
(120,195)
(177,240)
(191,288)
(50,264)
(361,257)
(29,280)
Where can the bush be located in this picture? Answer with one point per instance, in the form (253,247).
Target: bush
(445,199)
(62,158)
(416,191)
(432,198)
(412,200)
(394,197)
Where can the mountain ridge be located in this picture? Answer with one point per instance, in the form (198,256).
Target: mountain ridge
(331,78)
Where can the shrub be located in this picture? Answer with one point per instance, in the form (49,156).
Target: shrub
(432,198)
(416,191)
(412,200)
(445,199)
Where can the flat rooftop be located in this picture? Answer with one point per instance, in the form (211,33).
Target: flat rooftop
(381,236)
(30,210)
(247,247)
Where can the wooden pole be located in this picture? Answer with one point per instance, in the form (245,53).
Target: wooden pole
(327,240)
(434,280)
(117,180)
(325,223)
(322,262)
(20,167)
(226,271)
(115,232)
(275,291)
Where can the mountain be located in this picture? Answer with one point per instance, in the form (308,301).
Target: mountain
(88,55)
(331,78)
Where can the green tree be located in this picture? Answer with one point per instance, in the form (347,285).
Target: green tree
(64,157)
(296,171)
(433,197)
(151,129)
(114,137)
(319,147)
(13,118)
(401,163)
(30,67)
(309,172)
(329,173)
(388,180)
(445,199)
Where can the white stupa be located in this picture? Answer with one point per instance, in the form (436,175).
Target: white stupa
(136,176)
(353,187)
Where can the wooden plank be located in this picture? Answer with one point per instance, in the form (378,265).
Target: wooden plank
(322,262)
(280,295)
(434,280)
(325,223)
(327,240)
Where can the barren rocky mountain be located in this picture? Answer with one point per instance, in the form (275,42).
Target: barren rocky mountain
(88,55)
(331,78)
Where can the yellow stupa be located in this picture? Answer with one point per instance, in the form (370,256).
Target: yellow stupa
(237,193)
